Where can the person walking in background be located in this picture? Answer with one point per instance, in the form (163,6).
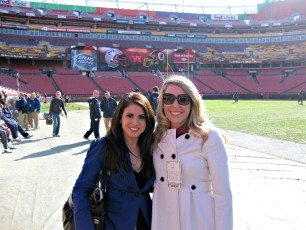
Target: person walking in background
(56,107)
(22,107)
(125,151)
(190,161)
(300,97)
(236,97)
(153,98)
(95,116)
(33,110)
(108,107)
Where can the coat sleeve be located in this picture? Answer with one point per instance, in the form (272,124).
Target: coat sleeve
(51,107)
(64,108)
(219,172)
(97,109)
(85,184)
(37,102)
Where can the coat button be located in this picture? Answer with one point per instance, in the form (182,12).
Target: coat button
(173,156)
(187,136)
(162,156)
(162,179)
(193,187)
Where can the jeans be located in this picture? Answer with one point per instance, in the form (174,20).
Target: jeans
(56,123)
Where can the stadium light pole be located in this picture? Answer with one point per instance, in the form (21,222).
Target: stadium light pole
(188,63)
(167,63)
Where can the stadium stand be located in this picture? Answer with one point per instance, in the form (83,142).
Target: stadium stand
(227,50)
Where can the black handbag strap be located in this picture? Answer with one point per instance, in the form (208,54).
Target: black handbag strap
(108,173)
(95,196)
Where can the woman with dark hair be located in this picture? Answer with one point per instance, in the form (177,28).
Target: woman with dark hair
(126,152)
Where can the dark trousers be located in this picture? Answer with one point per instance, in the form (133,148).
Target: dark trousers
(15,128)
(4,138)
(94,127)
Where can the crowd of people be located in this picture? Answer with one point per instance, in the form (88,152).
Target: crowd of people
(169,148)
(28,108)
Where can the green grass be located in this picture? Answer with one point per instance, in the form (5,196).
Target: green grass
(284,120)
(69,107)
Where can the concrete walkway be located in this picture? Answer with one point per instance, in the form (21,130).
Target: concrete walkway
(269,192)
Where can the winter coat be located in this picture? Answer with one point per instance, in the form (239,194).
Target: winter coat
(22,105)
(205,199)
(108,107)
(94,108)
(123,197)
(33,104)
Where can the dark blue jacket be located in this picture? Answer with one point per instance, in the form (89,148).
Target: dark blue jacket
(22,105)
(108,107)
(94,108)
(123,197)
(33,104)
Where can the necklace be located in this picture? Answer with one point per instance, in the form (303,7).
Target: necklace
(134,155)
(136,161)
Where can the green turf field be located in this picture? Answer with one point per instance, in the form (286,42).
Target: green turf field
(69,107)
(284,120)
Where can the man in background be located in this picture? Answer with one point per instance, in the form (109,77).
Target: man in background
(56,107)
(33,110)
(108,107)
(22,107)
(153,98)
(95,115)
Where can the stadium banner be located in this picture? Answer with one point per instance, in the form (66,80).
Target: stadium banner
(5,2)
(3,25)
(181,35)
(200,36)
(112,31)
(56,29)
(129,32)
(225,17)
(77,30)
(20,3)
(29,14)
(91,58)
(184,56)
(142,59)
(122,21)
(139,22)
(84,58)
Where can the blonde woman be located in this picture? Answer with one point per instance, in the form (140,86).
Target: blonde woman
(192,189)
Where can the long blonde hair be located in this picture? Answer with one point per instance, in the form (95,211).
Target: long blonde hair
(197,121)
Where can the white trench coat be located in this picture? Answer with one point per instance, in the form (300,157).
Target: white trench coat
(204,202)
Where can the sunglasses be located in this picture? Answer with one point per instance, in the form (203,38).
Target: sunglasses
(182,99)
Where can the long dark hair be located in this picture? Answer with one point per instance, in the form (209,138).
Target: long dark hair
(117,150)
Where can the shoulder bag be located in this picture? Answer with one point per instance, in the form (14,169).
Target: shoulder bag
(98,206)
